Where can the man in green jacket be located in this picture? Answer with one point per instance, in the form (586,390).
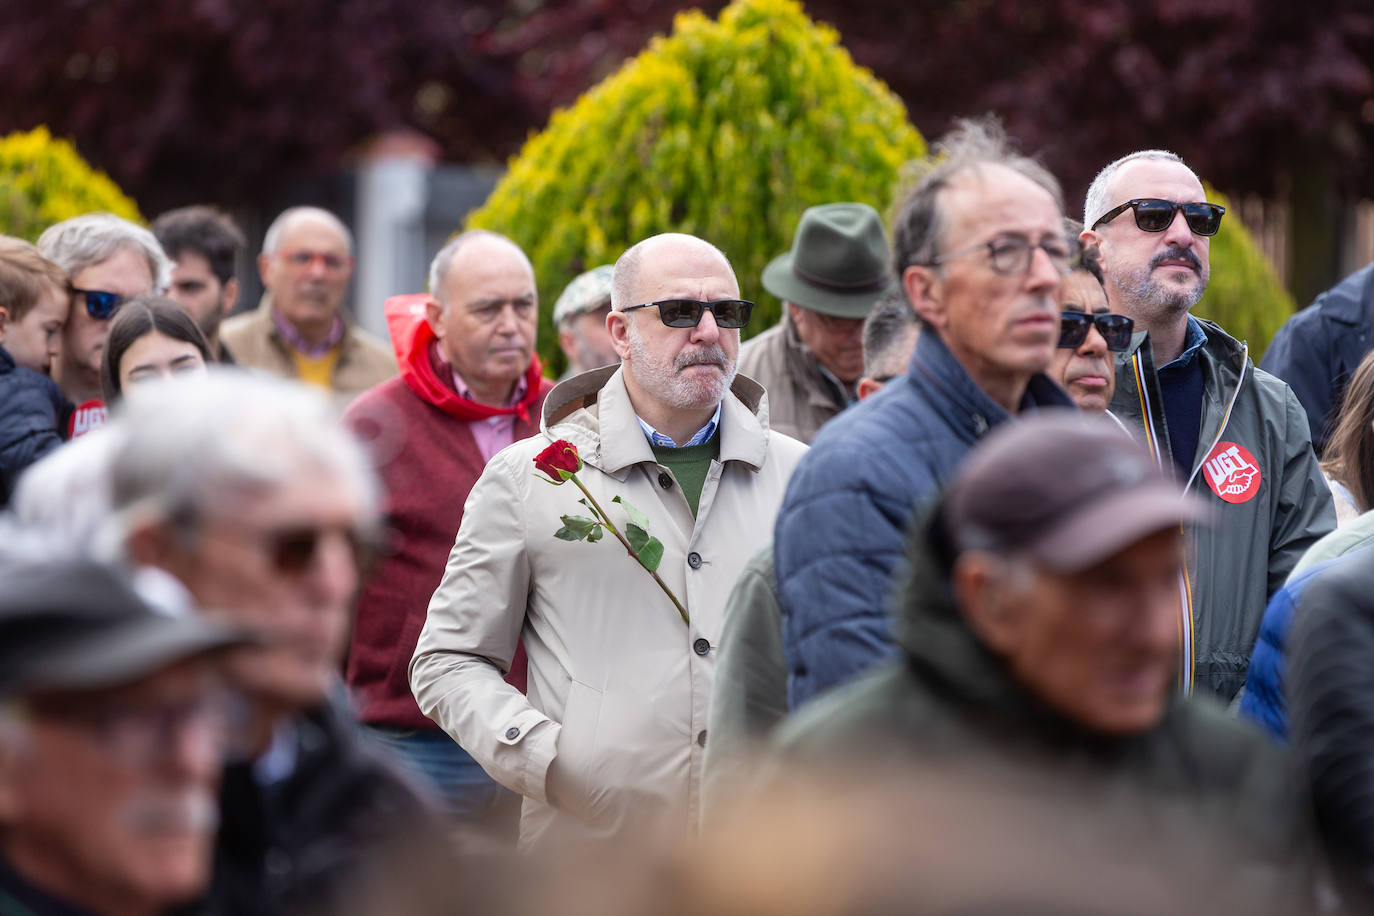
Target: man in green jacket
(1037,622)
(1235,434)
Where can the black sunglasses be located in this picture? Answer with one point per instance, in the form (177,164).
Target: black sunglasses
(1115,329)
(1155,215)
(100,305)
(686,313)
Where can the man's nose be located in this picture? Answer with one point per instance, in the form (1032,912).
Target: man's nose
(1179,235)
(706,331)
(1042,274)
(1094,344)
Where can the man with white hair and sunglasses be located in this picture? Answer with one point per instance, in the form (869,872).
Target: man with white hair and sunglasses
(1235,434)
(108,261)
(250,492)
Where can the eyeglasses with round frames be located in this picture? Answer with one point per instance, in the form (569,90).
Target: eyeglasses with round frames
(1154,214)
(301,259)
(1011,255)
(686,313)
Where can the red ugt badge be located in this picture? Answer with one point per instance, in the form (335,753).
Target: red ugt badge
(1232,472)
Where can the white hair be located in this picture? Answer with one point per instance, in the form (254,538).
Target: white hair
(626,274)
(1097,202)
(91,238)
(272,240)
(61,505)
(194,448)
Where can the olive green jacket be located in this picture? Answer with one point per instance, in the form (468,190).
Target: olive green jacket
(801,395)
(948,704)
(1255,467)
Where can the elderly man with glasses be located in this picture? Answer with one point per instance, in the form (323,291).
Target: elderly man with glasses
(300,329)
(108,261)
(1234,434)
(613,730)
(251,493)
(980,247)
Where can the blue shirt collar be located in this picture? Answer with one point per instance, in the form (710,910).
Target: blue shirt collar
(703,435)
(1193,339)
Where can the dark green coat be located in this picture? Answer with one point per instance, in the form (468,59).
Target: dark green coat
(1240,560)
(948,700)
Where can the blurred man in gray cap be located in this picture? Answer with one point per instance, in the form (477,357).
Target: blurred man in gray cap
(112,732)
(811,361)
(580,317)
(1038,626)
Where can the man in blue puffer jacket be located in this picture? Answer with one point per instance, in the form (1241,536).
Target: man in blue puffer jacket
(980,248)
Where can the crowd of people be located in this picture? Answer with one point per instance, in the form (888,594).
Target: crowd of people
(989,580)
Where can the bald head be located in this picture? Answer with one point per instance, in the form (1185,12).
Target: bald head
(292,217)
(470,248)
(644,261)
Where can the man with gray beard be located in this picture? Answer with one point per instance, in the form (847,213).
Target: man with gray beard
(612,731)
(1235,434)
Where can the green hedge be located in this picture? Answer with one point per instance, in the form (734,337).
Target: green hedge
(1245,295)
(726,129)
(44,181)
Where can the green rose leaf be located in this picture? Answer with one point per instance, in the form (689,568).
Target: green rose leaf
(651,554)
(634,515)
(637,537)
(577,528)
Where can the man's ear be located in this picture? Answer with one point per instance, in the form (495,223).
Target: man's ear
(1089,238)
(867,387)
(263,261)
(153,544)
(923,290)
(987,601)
(229,296)
(4,321)
(434,314)
(618,326)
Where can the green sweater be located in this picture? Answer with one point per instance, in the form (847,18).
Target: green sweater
(690,465)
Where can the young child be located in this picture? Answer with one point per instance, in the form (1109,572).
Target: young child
(33,310)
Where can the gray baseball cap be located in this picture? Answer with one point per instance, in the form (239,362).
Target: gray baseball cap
(78,625)
(1068,490)
(587,291)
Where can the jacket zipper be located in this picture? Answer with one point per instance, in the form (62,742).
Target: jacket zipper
(1187,633)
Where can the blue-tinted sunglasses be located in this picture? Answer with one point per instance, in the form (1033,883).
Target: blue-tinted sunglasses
(100,305)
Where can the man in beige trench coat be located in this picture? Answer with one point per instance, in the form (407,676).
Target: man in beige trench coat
(613,729)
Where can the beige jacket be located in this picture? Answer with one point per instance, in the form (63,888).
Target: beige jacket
(252,338)
(801,396)
(619,686)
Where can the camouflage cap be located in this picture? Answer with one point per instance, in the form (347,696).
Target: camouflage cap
(586,292)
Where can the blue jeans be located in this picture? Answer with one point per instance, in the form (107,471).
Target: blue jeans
(470,796)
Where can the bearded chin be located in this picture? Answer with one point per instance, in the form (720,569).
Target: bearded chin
(1142,288)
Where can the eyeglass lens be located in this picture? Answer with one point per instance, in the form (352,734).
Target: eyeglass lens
(1115,329)
(686,313)
(100,304)
(1155,215)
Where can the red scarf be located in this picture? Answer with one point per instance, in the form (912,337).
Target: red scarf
(411,337)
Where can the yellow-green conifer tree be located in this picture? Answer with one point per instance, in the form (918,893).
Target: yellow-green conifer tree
(44,181)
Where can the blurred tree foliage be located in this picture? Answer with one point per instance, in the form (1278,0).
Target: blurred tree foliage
(213,98)
(1245,295)
(726,129)
(44,181)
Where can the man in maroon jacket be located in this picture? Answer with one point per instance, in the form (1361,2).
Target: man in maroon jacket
(470,385)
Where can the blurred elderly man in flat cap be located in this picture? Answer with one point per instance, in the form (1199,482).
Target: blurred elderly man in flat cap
(112,733)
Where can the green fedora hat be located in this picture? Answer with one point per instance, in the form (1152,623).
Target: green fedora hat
(838,264)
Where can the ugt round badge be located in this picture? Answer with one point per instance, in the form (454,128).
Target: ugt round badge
(1232,472)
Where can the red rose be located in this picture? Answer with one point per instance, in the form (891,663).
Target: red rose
(560,461)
